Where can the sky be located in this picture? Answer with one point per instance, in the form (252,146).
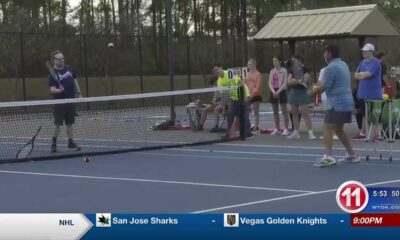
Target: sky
(74,3)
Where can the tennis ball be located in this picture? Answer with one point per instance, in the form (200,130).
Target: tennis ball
(86,159)
(110,45)
(385,96)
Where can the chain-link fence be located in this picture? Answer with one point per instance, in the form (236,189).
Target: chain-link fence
(140,64)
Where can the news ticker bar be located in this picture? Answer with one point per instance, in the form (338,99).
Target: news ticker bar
(196,226)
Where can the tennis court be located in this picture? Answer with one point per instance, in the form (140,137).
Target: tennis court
(264,174)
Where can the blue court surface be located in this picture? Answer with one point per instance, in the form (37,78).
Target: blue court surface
(266,174)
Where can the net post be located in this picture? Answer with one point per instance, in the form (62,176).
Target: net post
(242,113)
(171,58)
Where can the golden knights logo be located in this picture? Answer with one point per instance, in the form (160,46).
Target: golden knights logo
(231,220)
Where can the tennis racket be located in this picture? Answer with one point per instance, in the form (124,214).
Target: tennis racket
(53,74)
(27,149)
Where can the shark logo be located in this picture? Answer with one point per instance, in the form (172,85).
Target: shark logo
(103,220)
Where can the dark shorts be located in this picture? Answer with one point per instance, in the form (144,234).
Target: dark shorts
(282,99)
(337,118)
(64,114)
(255,99)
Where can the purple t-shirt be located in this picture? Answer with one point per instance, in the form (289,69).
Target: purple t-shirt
(370,88)
(66,76)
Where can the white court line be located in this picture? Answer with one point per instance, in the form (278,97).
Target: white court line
(204,157)
(241,152)
(284,198)
(93,140)
(294,147)
(153,181)
(65,145)
(254,153)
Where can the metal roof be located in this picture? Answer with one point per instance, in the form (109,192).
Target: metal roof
(353,21)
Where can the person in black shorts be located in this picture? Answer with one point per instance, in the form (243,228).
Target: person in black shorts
(63,88)
(278,78)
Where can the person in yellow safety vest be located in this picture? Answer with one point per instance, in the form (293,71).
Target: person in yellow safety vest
(234,103)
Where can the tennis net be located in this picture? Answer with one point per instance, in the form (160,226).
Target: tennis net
(111,124)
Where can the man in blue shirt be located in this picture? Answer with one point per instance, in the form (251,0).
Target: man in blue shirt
(369,75)
(336,83)
(66,86)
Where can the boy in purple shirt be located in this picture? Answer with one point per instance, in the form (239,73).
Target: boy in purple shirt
(66,87)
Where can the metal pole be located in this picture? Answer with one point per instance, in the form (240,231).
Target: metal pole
(140,66)
(234,51)
(244,36)
(242,113)
(85,62)
(22,65)
(171,59)
(189,70)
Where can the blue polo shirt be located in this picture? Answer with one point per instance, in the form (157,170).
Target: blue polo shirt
(337,81)
(370,88)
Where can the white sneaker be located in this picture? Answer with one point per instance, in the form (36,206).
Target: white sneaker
(350,159)
(325,161)
(311,135)
(285,132)
(276,132)
(294,135)
(335,137)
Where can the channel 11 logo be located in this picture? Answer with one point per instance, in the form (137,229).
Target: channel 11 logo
(352,197)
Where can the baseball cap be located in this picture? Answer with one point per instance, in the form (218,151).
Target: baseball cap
(368,47)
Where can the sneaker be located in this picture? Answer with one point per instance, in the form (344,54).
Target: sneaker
(72,146)
(311,135)
(360,137)
(285,132)
(276,132)
(350,159)
(255,129)
(294,135)
(325,161)
(250,137)
(335,137)
(53,147)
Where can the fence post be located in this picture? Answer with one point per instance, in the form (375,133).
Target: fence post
(141,67)
(189,70)
(21,39)
(234,51)
(85,65)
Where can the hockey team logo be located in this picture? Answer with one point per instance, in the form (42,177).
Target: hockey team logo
(231,220)
(103,220)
